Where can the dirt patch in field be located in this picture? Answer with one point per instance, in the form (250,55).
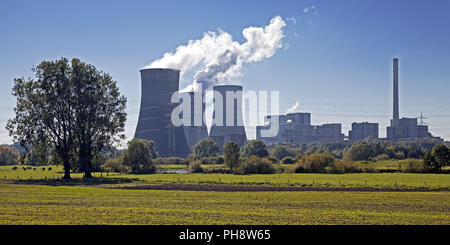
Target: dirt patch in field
(248,188)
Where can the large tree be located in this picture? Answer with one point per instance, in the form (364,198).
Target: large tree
(138,157)
(206,148)
(70,106)
(99,112)
(255,148)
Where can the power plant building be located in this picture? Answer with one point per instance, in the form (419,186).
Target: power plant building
(403,128)
(297,128)
(360,131)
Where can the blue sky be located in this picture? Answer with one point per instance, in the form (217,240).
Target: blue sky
(337,63)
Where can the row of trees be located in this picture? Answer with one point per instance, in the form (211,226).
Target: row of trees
(70,111)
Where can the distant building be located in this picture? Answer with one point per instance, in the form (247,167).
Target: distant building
(297,128)
(404,128)
(407,128)
(361,131)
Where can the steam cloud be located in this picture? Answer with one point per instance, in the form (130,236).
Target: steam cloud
(220,58)
(294,107)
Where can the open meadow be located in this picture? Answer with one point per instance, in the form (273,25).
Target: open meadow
(351,180)
(40,197)
(32,204)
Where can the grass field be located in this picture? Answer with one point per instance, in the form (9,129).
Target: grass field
(31,204)
(375,180)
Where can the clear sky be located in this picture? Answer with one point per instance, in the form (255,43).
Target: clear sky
(336,60)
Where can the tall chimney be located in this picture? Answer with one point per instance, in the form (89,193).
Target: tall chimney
(395,117)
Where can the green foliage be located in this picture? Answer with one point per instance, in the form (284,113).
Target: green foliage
(382,157)
(282,151)
(8,155)
(341,167)
(71,107)
(212,160)
(206,148)
(358,152)
(255,148)
(231,155)
(255,165)
(438,158)
(115,165)
(412,166)
(138,157)
(171,161)
(314,163)
(441,155)
(195,167)
(288,160)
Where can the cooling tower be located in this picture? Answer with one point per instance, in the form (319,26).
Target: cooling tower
(196,130)
(228,127)
(154,122)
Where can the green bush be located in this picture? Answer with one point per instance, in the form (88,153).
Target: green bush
(382,157)
(8,155)
(314,163)
(115,165)
(171,161)
(254,148)
(195,167)
(255,165)
(138,157)
(212,160)
(282,151)
(341,167)
(231,155)
(412,166)
(288,160)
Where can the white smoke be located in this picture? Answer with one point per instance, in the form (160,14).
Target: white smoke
(220,58)
(293,108)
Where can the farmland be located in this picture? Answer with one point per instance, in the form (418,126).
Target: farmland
(40,197)
(372,180)
(31,204)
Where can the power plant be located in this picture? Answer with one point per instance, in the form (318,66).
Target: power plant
(403,128)
(158,86)
(296,127)
(154,123)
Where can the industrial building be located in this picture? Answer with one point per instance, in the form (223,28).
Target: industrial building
(154,123)
(296,128)
(361,131)
(403,128)
(222,131)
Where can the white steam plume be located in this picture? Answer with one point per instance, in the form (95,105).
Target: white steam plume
(294,107)
(220,58)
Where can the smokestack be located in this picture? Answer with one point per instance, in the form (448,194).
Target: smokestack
(395,116)
(154,122)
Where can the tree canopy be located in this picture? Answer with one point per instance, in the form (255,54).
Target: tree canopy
(72,107)
(255,148)
(206,148)
(231,155)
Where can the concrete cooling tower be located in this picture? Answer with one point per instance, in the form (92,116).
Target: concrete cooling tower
(228,132)
(197,130)
(154,122)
